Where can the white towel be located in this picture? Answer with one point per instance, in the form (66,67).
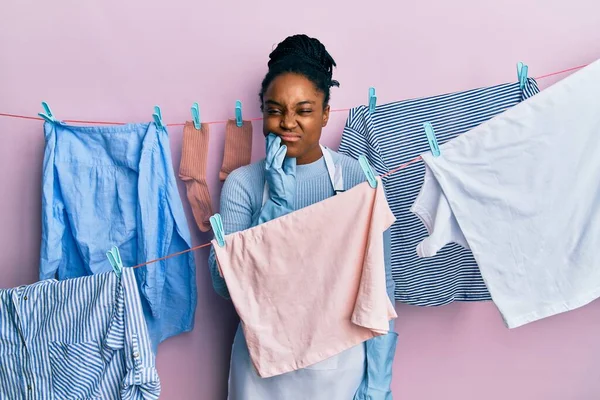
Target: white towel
(522,191)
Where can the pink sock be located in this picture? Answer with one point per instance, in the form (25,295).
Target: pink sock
(238,147)
(192,170)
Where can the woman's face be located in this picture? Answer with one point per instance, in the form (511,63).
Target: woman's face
(293,109)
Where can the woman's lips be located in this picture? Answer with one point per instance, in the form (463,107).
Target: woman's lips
(289,138)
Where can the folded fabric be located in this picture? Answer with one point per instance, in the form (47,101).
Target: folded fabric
(521,191)
(82,338)
(311,284)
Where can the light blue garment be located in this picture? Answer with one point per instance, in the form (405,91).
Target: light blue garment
(381,349)
(280,176)
(114,186)
(241,201)
(82,338)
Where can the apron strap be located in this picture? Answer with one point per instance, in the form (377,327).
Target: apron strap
(335,172)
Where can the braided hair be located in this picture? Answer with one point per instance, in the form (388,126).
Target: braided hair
(302,55)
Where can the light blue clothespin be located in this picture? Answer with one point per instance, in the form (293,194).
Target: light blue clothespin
(238,113)
(47,114)
(431,139)
(366,167)
(196,115)
(158,118)
(372,100)
(114,258)
(522,71)
(217,226)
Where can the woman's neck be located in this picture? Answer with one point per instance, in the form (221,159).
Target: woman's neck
(310,156)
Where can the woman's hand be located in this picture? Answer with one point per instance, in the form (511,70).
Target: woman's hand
(280,173)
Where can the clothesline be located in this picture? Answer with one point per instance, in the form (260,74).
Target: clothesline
(414,160)
(400,167)
(75,121)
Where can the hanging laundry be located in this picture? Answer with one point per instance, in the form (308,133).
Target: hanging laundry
(522,191)
(114,186)
(192,171)
(392,135)
(338,376)
(238,147)
(381,350)
(81,338)
(274,284)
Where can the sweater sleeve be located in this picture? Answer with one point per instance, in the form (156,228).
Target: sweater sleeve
(236,213)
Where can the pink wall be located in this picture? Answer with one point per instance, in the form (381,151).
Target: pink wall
(113,60)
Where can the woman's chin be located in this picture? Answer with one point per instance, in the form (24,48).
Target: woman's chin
(292,151)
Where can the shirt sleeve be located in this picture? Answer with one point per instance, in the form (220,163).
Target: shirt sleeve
(354,139)
(128,332)
(236,213)
(53,213)
(433,209)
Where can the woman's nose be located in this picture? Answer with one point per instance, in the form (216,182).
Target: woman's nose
(288,121)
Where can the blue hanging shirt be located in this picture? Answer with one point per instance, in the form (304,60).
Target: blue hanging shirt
(107,186)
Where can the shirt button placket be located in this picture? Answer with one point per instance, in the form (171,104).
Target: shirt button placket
(27,362)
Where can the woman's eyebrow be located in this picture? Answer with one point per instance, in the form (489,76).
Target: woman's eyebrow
(273,102)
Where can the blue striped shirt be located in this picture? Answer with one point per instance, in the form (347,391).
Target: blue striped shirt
(82,338)
(393,135)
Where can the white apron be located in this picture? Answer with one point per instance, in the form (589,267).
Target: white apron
(336,378)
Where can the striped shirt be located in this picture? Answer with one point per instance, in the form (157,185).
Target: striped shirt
(82,338)
(393,135)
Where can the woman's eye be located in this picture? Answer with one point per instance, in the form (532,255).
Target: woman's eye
(273,111)
(305,111)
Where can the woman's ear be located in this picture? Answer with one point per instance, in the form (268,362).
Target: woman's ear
(326,115)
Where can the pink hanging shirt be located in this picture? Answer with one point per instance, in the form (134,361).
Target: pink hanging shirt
(311,284)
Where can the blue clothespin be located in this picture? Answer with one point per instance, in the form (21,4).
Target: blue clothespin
(196,115)
(47,114)
(522,71)
(114,258)
(372,100)
(238,113)
(217,226)
(366,167)
(158,118)
(431,139)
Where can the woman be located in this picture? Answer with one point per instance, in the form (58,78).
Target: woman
(297,172)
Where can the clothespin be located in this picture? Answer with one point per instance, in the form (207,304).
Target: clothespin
(366,167)
(196,115)
(372,100)
(47,114)
(114,258)
(431,139)
(158,118)
(522,71)
(217,226)
(238,113)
